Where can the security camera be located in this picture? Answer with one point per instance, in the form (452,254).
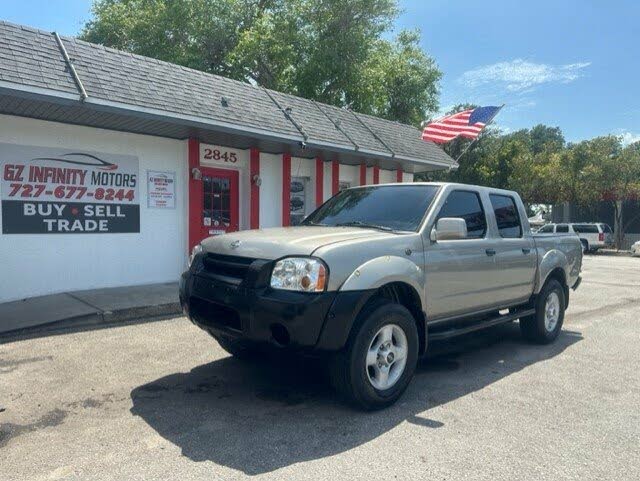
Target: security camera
(303,145)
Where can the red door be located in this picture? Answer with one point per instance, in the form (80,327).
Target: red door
(219,201)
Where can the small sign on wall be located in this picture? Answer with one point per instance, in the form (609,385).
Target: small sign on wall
(161,189)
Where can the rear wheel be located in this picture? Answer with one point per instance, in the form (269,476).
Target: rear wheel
(544,326)
(380,358)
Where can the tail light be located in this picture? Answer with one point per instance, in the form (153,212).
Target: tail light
(601,236)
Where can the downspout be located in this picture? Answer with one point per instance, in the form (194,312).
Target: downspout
(72,69)
(376,136)
(287,115)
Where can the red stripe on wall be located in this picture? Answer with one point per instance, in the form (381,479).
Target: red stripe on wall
(399,175)
(363,174)
(335,177)
(376,174)
(319,181)
(195,193)
(254,172)
(286,189)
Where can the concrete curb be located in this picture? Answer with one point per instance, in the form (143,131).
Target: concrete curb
(97,319)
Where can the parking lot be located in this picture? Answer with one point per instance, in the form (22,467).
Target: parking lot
(161,400)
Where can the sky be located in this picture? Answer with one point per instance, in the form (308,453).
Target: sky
(566,63)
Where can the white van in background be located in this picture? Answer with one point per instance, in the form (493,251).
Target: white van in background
(592,236)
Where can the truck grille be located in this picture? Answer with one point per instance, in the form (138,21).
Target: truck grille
(229,268)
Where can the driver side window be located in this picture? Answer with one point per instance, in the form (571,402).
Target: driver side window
(466,205)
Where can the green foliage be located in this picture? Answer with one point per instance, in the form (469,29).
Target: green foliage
(333,51)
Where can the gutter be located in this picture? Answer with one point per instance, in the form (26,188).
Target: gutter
(66,98)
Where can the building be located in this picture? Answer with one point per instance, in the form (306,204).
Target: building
(114,165)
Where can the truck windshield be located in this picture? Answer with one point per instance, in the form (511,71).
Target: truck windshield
(390,207)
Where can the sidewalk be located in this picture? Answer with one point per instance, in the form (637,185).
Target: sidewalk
(90,307)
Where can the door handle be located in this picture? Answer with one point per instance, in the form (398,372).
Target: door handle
(490,252)
(525,250)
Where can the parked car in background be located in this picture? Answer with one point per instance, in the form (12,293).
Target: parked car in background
(593,236)
(635,249)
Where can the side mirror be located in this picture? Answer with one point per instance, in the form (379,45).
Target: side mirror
(449,228)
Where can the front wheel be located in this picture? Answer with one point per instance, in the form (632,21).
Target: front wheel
(380,358)
(544,326)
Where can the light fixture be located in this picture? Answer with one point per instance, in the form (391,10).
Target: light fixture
(257,180)
(196,173)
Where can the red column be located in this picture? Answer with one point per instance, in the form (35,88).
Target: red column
(376,174)
(195,193)
(399,174)
(254,172)
(363,174)
(335,177)
(286,189)
(319,181)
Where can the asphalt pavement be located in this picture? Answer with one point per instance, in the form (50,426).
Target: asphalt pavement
(161,400)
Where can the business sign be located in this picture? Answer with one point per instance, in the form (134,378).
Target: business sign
(161,189)
(61,191)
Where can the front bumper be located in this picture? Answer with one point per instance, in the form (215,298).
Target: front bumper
(255,312)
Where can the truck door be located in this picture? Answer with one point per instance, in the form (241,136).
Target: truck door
(459,273)
(515,253)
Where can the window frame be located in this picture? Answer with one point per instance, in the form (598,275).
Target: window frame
(486,222)
(515,205)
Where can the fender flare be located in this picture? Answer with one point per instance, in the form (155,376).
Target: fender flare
(552,260)
(379,271)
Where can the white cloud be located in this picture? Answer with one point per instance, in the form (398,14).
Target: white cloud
(521,76)
(629,137)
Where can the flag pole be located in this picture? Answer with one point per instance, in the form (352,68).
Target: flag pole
(474,140)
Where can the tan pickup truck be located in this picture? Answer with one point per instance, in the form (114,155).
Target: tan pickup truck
(376,274)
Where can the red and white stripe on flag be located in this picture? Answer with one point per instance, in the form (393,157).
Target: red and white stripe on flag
(448,128)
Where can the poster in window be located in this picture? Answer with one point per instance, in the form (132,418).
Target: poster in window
(66,191)
(161,189)
(297,199)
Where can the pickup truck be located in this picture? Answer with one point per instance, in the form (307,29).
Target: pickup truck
(376,274)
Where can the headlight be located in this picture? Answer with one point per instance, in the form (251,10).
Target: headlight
(299,274)
(194,252)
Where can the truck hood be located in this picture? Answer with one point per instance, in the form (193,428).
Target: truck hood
(277,242)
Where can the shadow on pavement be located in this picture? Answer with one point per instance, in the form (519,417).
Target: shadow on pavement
(257,418)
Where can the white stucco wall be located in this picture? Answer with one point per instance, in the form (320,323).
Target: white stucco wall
(351,174)
(37,264)
(271,190)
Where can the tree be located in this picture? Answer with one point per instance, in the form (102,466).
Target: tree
(333,51)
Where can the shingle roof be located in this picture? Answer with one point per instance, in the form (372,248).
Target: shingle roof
(31,57)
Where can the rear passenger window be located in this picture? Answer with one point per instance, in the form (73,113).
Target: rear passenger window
(506,211)
(562,228)
(585,228)
(546,229)
(466,205)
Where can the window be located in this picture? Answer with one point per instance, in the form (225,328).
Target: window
(507,217)
(585,228)
(397,207)
(547,229)
(562,229)
(466,205)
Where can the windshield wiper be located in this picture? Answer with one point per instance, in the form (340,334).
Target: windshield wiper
(313,223)
(357,223)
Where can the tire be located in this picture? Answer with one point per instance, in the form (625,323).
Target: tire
(353,374)
(544,326)
(238,348)
(585,246)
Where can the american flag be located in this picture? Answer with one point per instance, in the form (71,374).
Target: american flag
(468,123)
